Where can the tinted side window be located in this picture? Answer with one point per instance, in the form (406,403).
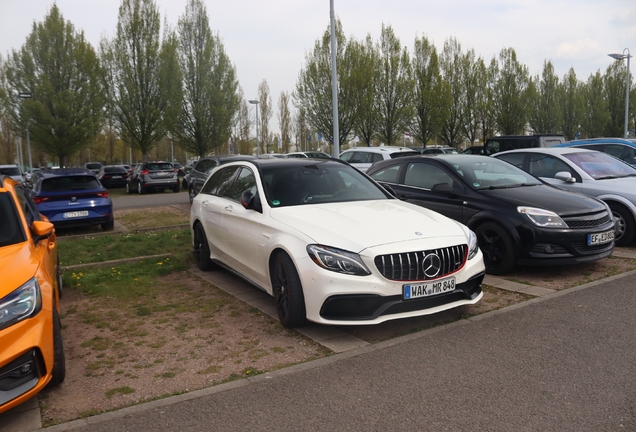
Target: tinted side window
(425,176)
(546,166)
(514,158)
(10,229)
(623,152)
(244,181)
(220,181)
(70,183)
(29,209)
(360,157)
(345,156)
(388,174)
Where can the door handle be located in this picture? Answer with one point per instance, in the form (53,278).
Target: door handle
(229,208)
(204,203)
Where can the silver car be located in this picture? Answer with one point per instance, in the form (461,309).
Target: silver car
(589,172)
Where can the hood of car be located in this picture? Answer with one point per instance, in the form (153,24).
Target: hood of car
(17,266)
(547,197)
(359,225)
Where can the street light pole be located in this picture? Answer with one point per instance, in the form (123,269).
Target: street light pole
(623,56)
(23,96)
(255,102)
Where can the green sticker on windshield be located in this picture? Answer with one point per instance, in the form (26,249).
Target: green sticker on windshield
(476,184)
(275,202)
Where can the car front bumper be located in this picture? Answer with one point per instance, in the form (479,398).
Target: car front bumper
(26,359)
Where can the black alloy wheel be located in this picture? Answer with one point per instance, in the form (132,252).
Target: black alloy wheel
(288,292)
(500,256)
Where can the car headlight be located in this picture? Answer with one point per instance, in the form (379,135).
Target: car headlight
(22,303)
(543,218)
(473,247)
(337,260)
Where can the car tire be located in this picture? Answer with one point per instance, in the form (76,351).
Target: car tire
(288,292)
(140,189)
(176,189)
(184,183)
(109,226)
(500,254)
(624,225)
(192,193)
(202,249)
(59,359)
(127,188)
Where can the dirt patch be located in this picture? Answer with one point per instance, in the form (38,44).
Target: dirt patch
(562,277)
(123,353)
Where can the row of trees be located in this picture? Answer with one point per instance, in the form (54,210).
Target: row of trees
(148,88)
(453,96)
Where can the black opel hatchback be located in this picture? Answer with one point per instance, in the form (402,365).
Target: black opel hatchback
(517,218)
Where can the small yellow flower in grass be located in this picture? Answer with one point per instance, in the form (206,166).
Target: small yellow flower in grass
(118,272)
(159,263)
(78,285)
(167,259)
(136,279)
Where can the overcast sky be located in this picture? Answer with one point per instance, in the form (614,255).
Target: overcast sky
(269,39)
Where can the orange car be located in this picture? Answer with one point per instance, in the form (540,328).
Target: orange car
(31,347)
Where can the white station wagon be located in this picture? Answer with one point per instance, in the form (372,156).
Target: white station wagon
(331,245)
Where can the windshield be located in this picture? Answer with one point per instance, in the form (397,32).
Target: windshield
(601,166)
(483,172)
(317,182)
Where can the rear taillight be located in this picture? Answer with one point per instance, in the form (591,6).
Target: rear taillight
(144,171)
(106,176)
(102,194)
(176,170)
(39,200)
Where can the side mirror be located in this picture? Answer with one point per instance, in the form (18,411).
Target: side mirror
(42,229)
(443,188)
(565,176)
(250,201)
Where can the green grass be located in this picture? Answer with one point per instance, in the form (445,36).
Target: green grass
(91,248)
(158,217)
(126,281)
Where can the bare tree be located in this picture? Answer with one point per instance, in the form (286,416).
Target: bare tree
(264,115)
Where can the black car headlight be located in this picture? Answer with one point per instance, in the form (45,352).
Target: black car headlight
(22,303)
(543,218)
(473,247)
(337,260)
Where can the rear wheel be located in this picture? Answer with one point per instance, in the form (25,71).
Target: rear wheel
(624,225)
(109,226)
(192,193)
(59,359)
(202,249)
(288,291)
(175,189)
(500,255)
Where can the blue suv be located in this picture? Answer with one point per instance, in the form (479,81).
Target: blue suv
(623,149)
(72,197)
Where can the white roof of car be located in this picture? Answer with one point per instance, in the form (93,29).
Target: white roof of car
(547,150)
(381,149)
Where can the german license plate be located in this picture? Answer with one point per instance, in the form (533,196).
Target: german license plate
(431,288)
(116,177)
(75,214)
(600,238)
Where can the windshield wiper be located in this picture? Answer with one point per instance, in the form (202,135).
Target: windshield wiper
(607,177)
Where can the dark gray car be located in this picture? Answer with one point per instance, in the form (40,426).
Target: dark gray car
(157,175)
(201,171)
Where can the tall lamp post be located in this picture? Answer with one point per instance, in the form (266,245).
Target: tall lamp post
(255,102)
(623,56)
(23,96)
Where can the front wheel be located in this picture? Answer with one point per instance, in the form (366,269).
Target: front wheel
(288,291)
(140,189)
(127,188)
(500,255)
(59,359)
(624,225)
(192,193)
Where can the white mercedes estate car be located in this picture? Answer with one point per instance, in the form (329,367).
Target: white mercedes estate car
(331,245)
